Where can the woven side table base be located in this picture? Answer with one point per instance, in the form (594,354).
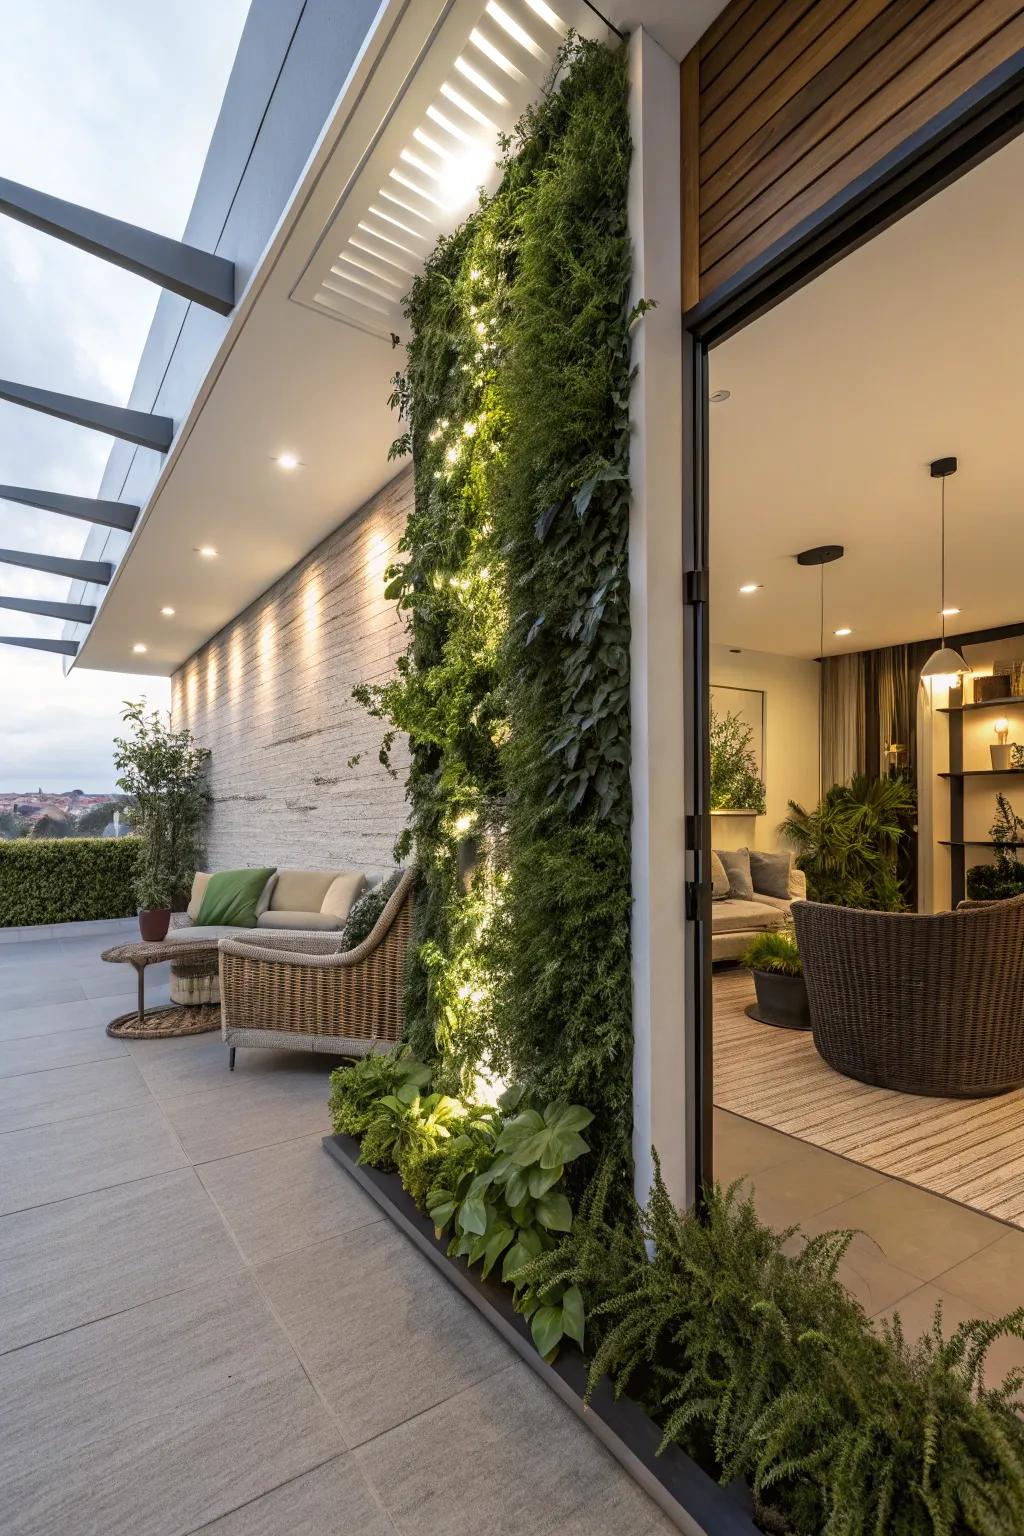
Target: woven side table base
(165,1023)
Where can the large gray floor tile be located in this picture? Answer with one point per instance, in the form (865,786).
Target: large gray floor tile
(20,993)
(224,1120)
(38,1165)
(505,1457)
(286,1197)
(64,1048)
(383,1335)
(334,1500)
(915,1230)
(156,1421)
(193,1064)
(67,1093)
(119,980)
(51,1018)
(77,1260)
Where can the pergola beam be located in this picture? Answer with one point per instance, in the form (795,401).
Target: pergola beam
(77,613)
(139,427)
(33,643)
(198,275)
(90,509)
(99,571)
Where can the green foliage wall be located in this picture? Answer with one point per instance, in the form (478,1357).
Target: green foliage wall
(514,690)
(67,880)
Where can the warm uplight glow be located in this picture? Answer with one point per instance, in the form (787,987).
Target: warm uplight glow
(211,678)
(750,586)
(138,648)
(287,461)
(234,663)
(845,630)
(463,823)
(544,11)
(461,175)
(207,551)
(167,612)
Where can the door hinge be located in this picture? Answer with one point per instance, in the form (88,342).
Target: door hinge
(696,588)
(691,892)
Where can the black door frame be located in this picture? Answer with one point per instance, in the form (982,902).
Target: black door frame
(972,128)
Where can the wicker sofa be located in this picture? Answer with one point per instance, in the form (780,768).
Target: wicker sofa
(929,1004)
(304,992)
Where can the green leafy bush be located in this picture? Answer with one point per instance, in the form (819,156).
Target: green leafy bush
(362,919)
(849,845)
(1004,878)
(774,952)
(70,880)
(164,773)
(736,784)
(356,1090)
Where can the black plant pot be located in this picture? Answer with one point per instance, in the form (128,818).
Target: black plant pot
(154,923)
(781,1000)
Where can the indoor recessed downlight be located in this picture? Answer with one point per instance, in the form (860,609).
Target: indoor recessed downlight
(949,613)
(138,648)
(207,551)
(287,461)
(750,586)
(720,395)
(167,612)
(845,630)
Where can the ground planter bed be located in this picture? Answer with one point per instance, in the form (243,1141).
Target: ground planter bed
(693,1500)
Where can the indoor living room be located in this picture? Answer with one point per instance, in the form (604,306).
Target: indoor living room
(866,679)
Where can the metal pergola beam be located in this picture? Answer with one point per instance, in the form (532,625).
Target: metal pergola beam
(184,269)
(109,514)
(99,571)
(77,613)
(58,647)
(134,426)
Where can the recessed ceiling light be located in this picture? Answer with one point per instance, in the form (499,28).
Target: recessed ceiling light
(287,461)
(168,613)
(138,648)
(720,395)
(948,613)
(750,586)
(207,551)
(843,631)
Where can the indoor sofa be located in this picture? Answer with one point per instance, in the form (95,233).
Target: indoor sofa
(741,909)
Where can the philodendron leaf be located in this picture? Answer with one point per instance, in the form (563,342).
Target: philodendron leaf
(496,1244)
(547,1329)
(473,1215)
(572,1314)
(540,1180)
(517,1187)
(562,1147)
(408,1093)
(554,1212)
(567,1117)
(441,1214)
(517,1256)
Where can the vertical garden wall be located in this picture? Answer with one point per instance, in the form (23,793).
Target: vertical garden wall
(514,691)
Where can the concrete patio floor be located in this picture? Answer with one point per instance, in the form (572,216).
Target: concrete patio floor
(204,1325)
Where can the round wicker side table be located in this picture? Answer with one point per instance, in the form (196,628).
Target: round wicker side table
(197,959)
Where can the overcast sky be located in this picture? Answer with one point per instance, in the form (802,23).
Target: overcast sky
(110,103)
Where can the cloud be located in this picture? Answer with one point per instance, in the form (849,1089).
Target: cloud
(112,104)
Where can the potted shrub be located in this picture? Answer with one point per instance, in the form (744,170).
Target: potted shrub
(778,981)
(164,773)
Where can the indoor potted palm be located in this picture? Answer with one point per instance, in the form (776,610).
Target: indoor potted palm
(164,773)
(778,974)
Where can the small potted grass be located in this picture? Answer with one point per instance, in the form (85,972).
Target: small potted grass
(778,975)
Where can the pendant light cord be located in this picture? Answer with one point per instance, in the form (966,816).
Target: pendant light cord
(821,663)
(942,562)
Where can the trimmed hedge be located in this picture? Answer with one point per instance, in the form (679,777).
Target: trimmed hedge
(67,879)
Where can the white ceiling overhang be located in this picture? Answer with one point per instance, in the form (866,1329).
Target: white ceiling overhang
(306,360)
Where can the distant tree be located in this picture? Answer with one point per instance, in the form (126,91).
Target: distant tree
(51,826)
(94,823)
(12,825)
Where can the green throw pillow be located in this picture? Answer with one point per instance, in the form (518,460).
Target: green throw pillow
(231,898)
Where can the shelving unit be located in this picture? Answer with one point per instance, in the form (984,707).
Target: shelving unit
(956,775)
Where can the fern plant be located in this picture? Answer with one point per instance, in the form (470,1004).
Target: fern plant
(774,952)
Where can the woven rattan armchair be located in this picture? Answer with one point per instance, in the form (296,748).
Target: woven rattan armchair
(303,992)
(930,1004)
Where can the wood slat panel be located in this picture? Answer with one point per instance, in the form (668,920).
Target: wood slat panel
(719,96)
(761,99)
(721,25)
(1008,40)
(847,121)
(742,36)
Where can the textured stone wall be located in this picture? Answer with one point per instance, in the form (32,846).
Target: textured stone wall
(271,696)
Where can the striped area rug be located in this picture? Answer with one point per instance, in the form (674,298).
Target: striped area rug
(969,1149)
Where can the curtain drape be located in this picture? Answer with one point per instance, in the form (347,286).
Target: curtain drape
(869,712)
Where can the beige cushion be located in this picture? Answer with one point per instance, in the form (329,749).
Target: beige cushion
(342,892)
(719,879)
(737,916)
(780,903)
(301,890)
(319,922)
(265,895)
(200,881)
(196,934)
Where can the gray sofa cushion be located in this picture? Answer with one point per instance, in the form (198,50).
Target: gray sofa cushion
(309,922)
(741,915)
(193,933)
(719,879)
(737,867)
(770,873)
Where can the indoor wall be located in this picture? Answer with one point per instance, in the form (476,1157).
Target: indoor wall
(271,696)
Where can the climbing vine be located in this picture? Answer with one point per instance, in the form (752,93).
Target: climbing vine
(514,689)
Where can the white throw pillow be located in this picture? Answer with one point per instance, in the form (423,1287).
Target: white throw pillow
(342,893)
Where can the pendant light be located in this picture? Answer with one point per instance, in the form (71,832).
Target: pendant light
(821,555)
(945,662)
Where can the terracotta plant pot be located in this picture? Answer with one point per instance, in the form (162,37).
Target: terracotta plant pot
(781,1000)
(154,923)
